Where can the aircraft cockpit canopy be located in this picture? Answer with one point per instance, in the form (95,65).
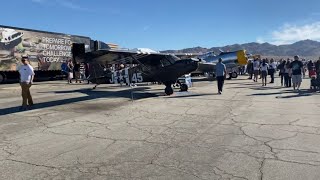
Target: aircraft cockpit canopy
(165,62)
(172,58)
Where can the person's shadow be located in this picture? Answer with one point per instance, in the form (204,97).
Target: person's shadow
(134,94)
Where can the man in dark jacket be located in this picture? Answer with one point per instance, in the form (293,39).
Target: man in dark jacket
(250,69)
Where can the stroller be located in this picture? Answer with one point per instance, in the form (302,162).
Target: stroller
(315,80)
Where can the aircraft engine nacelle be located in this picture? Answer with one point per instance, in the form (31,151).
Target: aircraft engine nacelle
(238,57)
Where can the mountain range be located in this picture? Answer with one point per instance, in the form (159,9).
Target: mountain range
(305,48)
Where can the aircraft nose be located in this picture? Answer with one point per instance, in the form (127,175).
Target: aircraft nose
(190,63)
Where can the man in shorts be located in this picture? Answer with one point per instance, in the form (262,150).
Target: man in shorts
(256,67)
(26,79)
(296,67)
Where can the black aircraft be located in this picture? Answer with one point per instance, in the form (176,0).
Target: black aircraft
(137,66)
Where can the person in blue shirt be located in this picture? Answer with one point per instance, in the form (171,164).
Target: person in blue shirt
(221,73)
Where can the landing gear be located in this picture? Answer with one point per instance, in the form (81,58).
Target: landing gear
(183,87)
(95,86)
(168,90)
(232,75)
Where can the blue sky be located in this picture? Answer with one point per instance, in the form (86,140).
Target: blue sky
(170,24)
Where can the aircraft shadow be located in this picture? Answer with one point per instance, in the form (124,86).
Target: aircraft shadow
(283,94)
(135,93)
(191,95)
(202,80)
(255,87)
(239,83)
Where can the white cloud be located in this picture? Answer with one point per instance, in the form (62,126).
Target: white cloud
(290,33)
(260,40)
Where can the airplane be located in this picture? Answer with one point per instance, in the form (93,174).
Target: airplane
(230,59)
(142,66)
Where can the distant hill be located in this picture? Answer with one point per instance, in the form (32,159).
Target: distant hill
(305,48)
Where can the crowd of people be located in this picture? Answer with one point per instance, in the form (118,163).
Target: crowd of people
(78,71)
(290,71)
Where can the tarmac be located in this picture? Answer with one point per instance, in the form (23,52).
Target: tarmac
(112,132)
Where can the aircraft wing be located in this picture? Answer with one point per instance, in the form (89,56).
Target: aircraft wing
(206,67)
(187,55)
(125,57)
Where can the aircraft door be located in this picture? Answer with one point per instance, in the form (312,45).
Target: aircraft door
(78,52)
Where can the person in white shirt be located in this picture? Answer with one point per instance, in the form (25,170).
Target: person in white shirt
(26,79)
(256,65)
(272,70)
(264,72)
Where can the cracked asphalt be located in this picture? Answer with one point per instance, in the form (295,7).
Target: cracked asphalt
(73,132)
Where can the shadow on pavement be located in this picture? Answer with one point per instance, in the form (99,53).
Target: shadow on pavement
(255,87)
(191,95)
(283,94)
(135,93)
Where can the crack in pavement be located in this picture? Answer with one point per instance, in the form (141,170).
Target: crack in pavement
(32,164)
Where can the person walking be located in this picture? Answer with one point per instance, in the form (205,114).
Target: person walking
(82,72)
(87,72)
(272,70)
(281,68)
(221,73)
(70,71)
(250,69)
(77,72)
(256,65)
(264,72)
(297,69)
(310,66)
(26,79)
(287,74)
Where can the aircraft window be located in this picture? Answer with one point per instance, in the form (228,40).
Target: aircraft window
(165,62)
(172,59)
(16,35)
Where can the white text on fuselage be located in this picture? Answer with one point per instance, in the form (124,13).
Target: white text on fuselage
(122,76)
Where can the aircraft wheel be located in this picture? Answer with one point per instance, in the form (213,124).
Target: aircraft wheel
(2,78)
(234,75)
(184,87)
(168,90)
